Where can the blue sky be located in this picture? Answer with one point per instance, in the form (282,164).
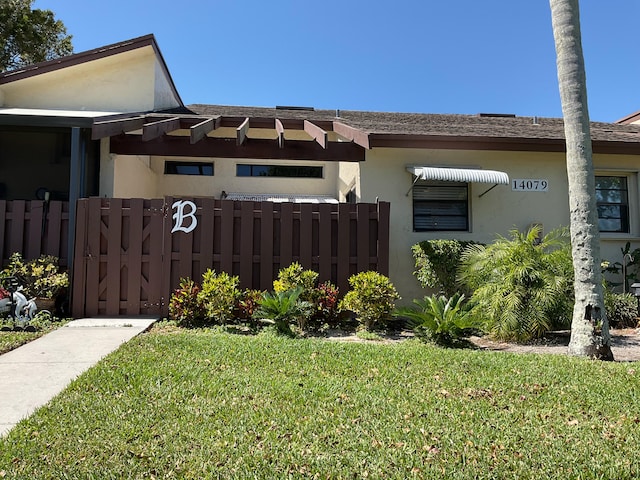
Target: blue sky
(427,56)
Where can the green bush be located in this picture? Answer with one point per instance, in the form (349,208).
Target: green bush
(323,297)
(622,309)
(372,297)
(631,259)
(185,306)
(283,309)
(325,305)
(521,286)
(218,295)
(437,263)
(40,277)
(440,320)
(246,304)
(295,276)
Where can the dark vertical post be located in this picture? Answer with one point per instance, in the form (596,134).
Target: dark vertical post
(75,187)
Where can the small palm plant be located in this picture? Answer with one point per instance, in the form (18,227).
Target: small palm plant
(441,320)
(523,286)
(283,309)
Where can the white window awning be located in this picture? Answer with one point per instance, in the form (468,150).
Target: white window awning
(469,175)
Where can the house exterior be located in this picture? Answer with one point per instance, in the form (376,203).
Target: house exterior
(110,122)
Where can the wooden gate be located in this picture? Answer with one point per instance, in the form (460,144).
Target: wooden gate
(131,253)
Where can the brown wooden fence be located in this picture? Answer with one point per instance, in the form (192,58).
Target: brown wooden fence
(33,228)
(131,253)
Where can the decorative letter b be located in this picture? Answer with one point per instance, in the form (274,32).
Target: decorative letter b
(180,216)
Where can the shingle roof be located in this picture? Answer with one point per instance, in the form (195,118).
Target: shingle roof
(437,125)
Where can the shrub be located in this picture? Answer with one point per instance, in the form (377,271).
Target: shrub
(295,276)
(185,306)
(622,309)
(283,309)
(325,303)
(246,304)
(324,297)
(441,320)
(522,286)
(41,277)
(437,263)
(218,295)
(631,260)
(372,297)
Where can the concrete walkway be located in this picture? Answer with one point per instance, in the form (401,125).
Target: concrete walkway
(33,374)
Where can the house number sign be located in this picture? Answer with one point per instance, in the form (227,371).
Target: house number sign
(529,185)
(184,220)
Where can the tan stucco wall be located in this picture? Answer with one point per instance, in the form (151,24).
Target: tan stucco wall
(610,244)
(164,96)
(127,82)
(384,175)
(132,175)
(107,170)
(348,179)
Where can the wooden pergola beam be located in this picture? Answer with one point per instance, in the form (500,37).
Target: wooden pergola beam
(110,128)
(258,148)
(352,134)
(241,132)
(198,131)
(157,129)
(318,134)
(280,132)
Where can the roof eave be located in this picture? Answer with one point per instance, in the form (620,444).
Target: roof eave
(450,142)
(629,118)
(460,142)
(46,121)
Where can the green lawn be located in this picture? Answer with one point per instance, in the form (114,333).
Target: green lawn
(11,340)
(197,404)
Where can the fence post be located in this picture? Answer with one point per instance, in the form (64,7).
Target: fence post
(77,273)
(384,211)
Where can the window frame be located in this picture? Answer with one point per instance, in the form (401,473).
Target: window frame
(421,185)
(624,205)
(176,164)
(255,167)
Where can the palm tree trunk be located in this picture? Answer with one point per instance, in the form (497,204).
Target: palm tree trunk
(589,327)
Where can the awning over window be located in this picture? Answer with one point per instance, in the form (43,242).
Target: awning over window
(279,197)
(468,175)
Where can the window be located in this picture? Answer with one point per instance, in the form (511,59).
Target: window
(439,206)
(188,168)
(612,197)
(295,171)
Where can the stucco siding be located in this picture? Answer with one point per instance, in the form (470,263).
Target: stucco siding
(107,169)
(123,83)
(384,176)
(497,211)
(629,166)
(163,94)
(348,179)
(133,177)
